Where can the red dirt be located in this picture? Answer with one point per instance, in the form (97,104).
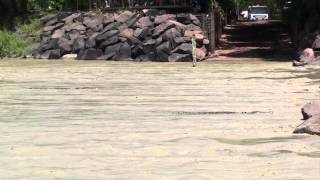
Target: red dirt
(266,40)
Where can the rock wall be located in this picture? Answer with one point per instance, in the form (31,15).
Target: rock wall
(148,35)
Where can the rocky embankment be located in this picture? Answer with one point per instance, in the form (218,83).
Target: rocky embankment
(311,117)
(309,42)
(148,35)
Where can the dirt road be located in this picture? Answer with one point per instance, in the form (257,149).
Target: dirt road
(266,40)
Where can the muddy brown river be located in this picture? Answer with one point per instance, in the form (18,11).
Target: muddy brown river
(122,120)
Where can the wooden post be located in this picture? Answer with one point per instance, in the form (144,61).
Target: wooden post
(212,30)
(194,51)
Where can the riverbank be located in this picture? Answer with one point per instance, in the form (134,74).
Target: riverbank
(126,120)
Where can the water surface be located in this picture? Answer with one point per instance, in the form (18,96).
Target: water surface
(123,120)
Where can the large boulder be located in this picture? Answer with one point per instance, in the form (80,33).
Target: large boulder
(125,16)
(108,42)
(185,48)
(51,54)
(78,44)
(124,53)
(310,126)
(48,45)
(311,115)
(53,27)
(162,27)
(111,51)
(176,57)
(316,43)
(71,18)
(306,57)
(107,35)
(65,45)
(310,109)
(144,22)
(164,18)
(89,54)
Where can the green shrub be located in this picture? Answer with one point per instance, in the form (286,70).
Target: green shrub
(11,45)
(31,31)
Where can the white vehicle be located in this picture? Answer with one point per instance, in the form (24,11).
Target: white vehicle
(244,14)
(258,13)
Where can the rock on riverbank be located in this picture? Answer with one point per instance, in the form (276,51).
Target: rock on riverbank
(311,115)
(149,35)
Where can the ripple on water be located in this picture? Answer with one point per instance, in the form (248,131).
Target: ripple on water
(255,141)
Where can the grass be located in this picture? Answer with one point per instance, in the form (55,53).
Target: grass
(19,43)
(11,45)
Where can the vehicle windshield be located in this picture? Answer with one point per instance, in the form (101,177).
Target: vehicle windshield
(259,10)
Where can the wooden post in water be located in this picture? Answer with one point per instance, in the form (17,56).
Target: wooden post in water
(194,51)
(212,30)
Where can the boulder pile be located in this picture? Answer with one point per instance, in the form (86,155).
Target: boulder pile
(148,35)
(307,57)
(311,115)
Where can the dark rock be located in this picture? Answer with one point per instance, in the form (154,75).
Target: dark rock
(185,48)
(162,27)
(311,113)
(111,26)
(90,43)
(310,126)
(124,53)
(159,40)
(151,12)
(192,27)
(164,47)
(106,35)
(137,51)
(74,34)
(164,18)
(141,33)
(93,22)
(132,21)
(108,42)
(171,34)
(48,45)
(184,18)
(89,54)
(180,40)
(51,54)
(65,45)
(316,42)
(310,109)
(58,33)
(135,41)
(162,56)
(306,57)
(48,18)
(144,22)
(125,16)
(149,46)
(163,51)
(52,22)
(78,44)
(127,33)
(108,18)
(176,57)
(146,57)
(111,51)
(53,27)
(194,20)
(75,26)
(70,18)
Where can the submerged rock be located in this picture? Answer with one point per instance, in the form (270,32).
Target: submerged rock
(311,115)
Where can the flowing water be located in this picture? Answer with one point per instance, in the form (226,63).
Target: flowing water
(123,120)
